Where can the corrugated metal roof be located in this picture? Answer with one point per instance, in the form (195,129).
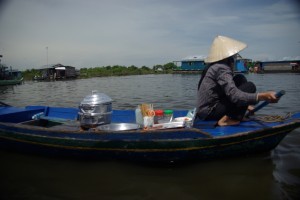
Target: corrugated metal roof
(50,66)
(194,58)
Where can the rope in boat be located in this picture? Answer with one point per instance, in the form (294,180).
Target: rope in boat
(273,118)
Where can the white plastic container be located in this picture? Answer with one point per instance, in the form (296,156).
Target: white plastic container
(139,117)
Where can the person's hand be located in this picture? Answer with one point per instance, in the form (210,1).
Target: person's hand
(250,108)
(268,96)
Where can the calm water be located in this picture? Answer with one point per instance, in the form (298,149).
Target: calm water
(272,175)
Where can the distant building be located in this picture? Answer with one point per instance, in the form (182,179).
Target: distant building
(241,64)
(197,64)
(194,63)
(280,66)
(57,71)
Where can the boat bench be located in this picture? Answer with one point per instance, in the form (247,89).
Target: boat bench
(60,114)
(18,115)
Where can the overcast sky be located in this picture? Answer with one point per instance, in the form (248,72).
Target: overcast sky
(90,33)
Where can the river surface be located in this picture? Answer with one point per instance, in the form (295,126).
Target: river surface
(271,175)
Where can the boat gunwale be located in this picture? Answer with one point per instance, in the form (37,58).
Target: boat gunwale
(293,122)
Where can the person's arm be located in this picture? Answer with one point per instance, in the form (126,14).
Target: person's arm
(225,80)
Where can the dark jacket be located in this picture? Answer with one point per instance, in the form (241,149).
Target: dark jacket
(218,83)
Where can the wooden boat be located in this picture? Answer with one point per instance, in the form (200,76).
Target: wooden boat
(9,76)
(58,133)
(11,82)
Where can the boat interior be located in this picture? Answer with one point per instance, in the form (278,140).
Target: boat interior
(58,118)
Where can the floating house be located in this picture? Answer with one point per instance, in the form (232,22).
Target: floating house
(285,66)
(241,64)
(190,64)
(56,72)
(240,67)
(197,64)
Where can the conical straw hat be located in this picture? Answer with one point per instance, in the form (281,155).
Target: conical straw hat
(224,47)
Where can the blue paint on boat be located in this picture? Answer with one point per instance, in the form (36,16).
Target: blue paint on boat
(58,133)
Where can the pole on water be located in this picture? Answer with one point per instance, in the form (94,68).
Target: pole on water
(47,55)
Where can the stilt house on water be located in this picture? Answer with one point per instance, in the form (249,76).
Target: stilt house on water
(56,72)
(241,64)
(190,65)
(287,66)
(196,64)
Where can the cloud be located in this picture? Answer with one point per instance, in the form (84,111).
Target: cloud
(142,32)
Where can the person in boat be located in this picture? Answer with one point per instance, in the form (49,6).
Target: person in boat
(222,96)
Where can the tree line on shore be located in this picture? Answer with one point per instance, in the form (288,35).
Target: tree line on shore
(116,70)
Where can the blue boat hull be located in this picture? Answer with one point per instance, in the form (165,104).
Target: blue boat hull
(205,141)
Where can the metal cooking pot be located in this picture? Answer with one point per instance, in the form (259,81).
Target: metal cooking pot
(95,109)
(92,120)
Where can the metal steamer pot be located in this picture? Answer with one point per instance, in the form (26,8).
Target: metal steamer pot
(95,110)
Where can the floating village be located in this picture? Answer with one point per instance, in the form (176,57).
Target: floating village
(196,64)
(188,65)
(144,134)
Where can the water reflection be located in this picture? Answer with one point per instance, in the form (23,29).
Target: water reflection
(287,165)
(274,175)
(6,89)
(40,178)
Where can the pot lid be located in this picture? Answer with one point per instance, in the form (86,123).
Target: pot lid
(96,98)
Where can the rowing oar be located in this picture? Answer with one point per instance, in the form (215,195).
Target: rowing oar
(263,104)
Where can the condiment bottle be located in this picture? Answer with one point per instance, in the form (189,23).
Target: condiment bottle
(168,115)
(139,117)
(159,115)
